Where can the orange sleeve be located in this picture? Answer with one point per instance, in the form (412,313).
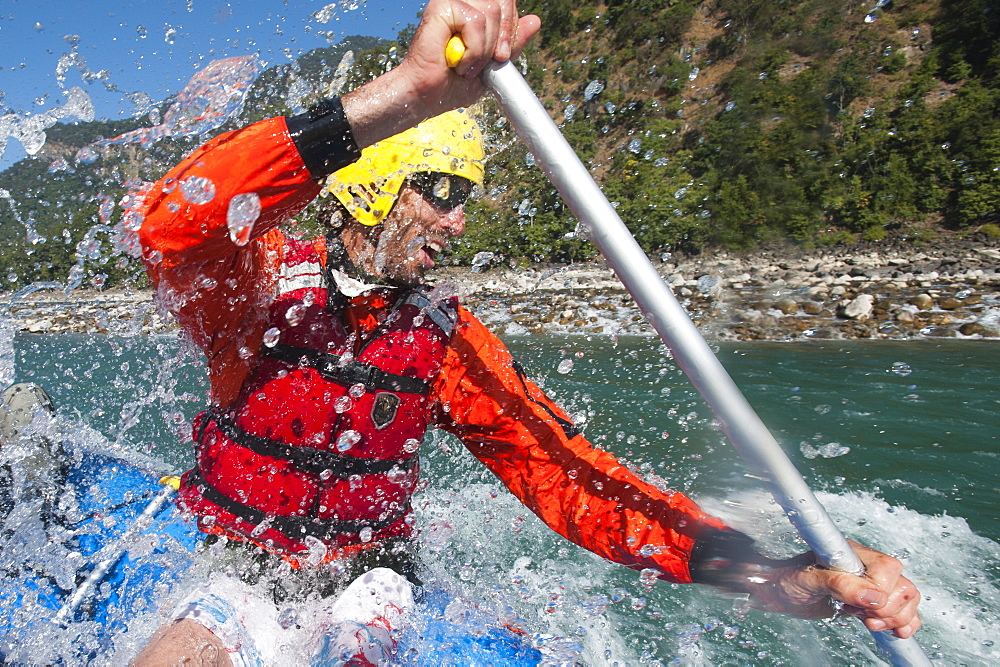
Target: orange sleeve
(218,290)
(584,494)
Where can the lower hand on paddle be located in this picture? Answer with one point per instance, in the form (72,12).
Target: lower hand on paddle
(882,598)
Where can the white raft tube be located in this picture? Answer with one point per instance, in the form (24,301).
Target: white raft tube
(748,434)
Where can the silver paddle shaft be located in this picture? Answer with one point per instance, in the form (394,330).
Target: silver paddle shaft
(739,421)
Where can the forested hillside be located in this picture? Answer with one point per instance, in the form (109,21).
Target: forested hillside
(723,123)
(739,121)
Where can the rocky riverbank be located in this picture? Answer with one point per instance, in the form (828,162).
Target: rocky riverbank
(877,292)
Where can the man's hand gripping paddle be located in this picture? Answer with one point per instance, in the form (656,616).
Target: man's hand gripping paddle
(746,431)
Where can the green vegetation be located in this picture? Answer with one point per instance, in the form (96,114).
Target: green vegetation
(725,123)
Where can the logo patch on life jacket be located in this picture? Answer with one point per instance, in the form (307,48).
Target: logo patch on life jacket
(384,409)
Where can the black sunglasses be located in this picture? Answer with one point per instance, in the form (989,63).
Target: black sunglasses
(445,191)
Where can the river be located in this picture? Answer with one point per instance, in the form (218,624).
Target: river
(899,439)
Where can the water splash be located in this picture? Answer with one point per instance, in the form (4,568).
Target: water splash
(340,75)
(30,130)
(211,97)
(31,234)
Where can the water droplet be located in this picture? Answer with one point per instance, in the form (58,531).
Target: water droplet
(694,74)
(481,259)
(317,552)
(356,391)
(901,368)
(244,209)
(569,111)
(271,336)
(342,404)
(198,189)
(592,90)
(288,616)
(347,439)
(294,314)
(87,155)
(648,577)
(365,534)
(565,366)
(259,529)
(411,445)
(132,220)
(635,145)
(730,106)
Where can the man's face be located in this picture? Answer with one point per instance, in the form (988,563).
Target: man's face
(403,248)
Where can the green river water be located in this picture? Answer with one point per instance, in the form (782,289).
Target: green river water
(899,438)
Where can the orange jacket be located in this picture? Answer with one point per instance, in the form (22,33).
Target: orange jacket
(219,292)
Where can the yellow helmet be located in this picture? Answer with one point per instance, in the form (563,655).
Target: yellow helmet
(450,143)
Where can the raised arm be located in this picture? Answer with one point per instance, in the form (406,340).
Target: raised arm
(215,274)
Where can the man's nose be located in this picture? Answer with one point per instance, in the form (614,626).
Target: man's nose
(453,222)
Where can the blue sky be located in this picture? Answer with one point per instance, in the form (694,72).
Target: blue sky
(151,47)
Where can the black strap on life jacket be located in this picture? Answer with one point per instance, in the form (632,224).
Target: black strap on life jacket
(295,527)
(333,368)
(307,459)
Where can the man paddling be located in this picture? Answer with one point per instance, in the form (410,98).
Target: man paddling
(328,360)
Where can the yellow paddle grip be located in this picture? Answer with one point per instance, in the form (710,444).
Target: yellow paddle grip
(454,51)
(171,480)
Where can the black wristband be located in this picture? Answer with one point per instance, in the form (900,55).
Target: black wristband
(724,558)
(323,138)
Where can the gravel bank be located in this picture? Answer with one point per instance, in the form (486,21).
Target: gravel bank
(883,292)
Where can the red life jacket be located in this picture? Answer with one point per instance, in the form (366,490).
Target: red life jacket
(322,442)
